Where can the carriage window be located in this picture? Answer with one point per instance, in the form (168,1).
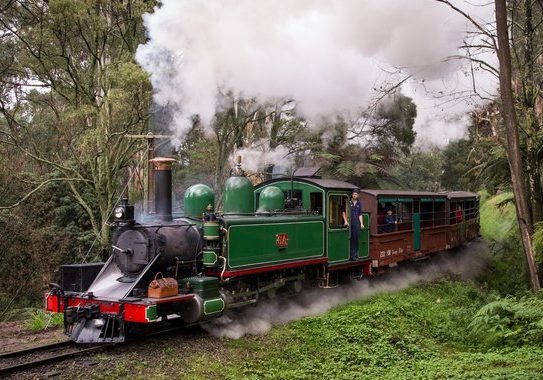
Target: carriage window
(337,206)
(456,214)
(471,209)
(440,213)
(316,203)
(433,212)
(394,216)
(405,215)
(426,214)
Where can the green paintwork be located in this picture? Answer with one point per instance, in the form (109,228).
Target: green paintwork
(238,196)
(364,241)
(213,306)
(211,230)
(210,259)
(306,189)
(206,287)
(252,240)
(394,200)
(416,229)
(271,199)
(339,246)
(151,313)
(338,238)
(432,200)
(197,198)
(387,200)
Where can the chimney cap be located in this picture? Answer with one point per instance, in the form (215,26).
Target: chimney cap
(163,163)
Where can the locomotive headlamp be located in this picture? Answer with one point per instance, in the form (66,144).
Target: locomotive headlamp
(119,213)
(124,212)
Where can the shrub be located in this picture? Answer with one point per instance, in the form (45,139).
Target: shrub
(510,321)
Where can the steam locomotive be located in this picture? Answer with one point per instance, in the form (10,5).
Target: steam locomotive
(279,236)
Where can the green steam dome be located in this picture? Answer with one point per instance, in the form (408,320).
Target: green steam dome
(271,199)
(197,198)
(238,196)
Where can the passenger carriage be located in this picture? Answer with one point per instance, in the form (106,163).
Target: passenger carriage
(424,223)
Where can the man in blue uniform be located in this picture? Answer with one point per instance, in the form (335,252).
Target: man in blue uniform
(356,223)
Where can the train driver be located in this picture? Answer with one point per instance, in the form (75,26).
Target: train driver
(356,222)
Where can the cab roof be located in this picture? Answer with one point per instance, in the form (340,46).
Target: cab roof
(329,184)
(401,193)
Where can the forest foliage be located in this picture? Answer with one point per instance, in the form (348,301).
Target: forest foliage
(73,99)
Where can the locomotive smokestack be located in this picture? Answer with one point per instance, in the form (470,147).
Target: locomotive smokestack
(163,187)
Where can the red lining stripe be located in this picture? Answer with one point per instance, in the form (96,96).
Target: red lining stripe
(271,268)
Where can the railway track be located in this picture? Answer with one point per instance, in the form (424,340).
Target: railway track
(17,361)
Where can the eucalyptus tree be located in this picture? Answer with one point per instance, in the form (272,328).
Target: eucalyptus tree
(517,29)
(69,93)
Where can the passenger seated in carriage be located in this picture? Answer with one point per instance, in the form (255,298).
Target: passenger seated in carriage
(390,222)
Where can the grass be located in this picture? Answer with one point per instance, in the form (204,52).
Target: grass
(421,332)
(40,320)
(418,333)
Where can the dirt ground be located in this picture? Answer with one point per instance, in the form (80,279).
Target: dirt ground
(15,336)
(163,355)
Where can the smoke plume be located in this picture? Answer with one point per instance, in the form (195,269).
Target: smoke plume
(331,56)
(259,320)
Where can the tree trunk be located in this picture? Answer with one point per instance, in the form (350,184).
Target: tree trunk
(513,142)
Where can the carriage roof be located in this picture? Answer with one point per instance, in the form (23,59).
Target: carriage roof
(461,195)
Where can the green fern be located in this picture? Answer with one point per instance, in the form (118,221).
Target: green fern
(510,321)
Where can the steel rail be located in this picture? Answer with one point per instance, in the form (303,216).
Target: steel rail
(47,360)
(37,362)
(30,350)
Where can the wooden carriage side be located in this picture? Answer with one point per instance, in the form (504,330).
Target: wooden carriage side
(416,226)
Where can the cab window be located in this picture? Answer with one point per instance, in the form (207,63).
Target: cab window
(316,203)
(338,205)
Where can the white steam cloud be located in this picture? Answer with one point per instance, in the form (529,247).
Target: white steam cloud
(256,157)
(260,319)
(328,55)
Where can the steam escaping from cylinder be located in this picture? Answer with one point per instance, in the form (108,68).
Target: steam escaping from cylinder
(466,264)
